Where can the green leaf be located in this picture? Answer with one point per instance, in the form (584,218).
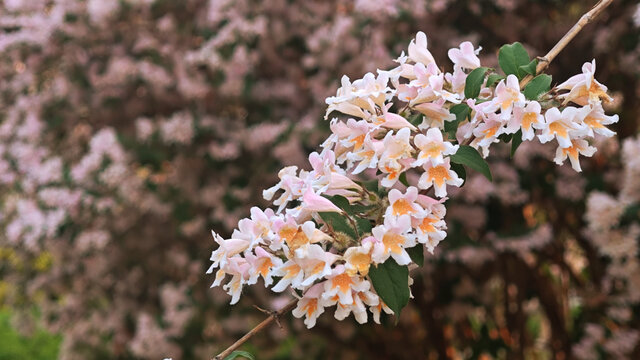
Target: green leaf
(391,282)
(371,185)
(237,353)
(530,68)
(517,140)
(416,254)
(505,138)
(474,82)
(462,173)
(492,79)
(341,202)
(339,223)
(364,225)
(416,119)
(511,57)
(461,111)
(403,179)
(470,157)
(538,86)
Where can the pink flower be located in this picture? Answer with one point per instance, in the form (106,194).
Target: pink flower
(418,50)
(507,95)
(465,56)
(314,202)
(584,88)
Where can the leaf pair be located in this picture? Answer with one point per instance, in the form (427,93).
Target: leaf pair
(514,59)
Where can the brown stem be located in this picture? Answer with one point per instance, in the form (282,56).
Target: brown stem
(266,322)
(560,45)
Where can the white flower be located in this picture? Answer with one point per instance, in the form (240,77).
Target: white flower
(578,147)
(310,305)
(391,240)
(400,204)
(340,285)
(432,147)
(561,126)
(439,176)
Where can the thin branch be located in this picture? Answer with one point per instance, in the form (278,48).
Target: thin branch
(542,65)
(275,315)
(584,20)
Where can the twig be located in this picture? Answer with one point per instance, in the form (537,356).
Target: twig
(542,65)
(266,322)
(584,20)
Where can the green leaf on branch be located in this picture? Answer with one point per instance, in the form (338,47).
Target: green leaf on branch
(474,82)
(470,157)
(339,223)
(243,354)
(416,254)
(515,143)
(462,173)
(341,202)
(540,84)
(530,68)
(511,57)
(492,79)
(461,111)
(391,282)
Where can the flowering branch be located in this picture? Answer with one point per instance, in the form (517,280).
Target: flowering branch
(329,246)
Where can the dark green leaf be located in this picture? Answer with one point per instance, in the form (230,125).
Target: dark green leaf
(461,111)
(371,185)
(237,353)
(417,254)
(462,173)
(364,225)
(511,57)
(517,140)
(492,79)
(341,202)
(505,138)
(403,179)
(415,119)
(391,282)
(339,223)
(538,86)
(470,157)
(474,82)
(530,68)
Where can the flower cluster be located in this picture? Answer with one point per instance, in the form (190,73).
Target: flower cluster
(411,122)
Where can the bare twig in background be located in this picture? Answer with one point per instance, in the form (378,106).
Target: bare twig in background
(273,317)
(560,45)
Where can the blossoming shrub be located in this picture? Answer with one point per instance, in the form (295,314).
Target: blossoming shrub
(176,115)
(348,244)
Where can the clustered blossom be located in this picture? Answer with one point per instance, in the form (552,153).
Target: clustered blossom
(371,133)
